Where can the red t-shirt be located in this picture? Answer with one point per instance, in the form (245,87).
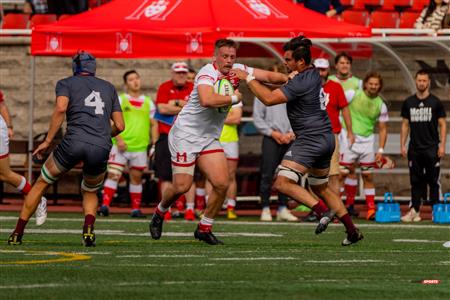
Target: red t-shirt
(168,91)
(336,101)
(1,97)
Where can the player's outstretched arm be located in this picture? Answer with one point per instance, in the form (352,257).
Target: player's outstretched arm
(118,124)
(263,93)
(208,98)
(270,77)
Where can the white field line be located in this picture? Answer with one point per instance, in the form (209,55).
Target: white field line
(254,258)
(416,241)
(374,225)
(160,256)
(123,233)
(343,261)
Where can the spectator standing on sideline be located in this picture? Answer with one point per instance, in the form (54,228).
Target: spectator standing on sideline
(90,104)
(130,146)
(432,16)
(343,64)
(273,123)
(424,121)
(329,8)
(6,174)
(172,96)
(366,110)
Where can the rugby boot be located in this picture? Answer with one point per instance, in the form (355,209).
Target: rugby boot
(207,236)
(352,237)
(324,221)
(155,226)
(103,211)
(88,236)
(15,239)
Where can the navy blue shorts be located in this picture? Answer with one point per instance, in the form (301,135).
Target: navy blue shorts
(69,153)
(312,151)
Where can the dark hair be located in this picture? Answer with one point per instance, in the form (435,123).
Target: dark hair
(303,51)
(225,43)
(191,70)
(430,9)
(422,72)
(127,73)
(373,75)
(343,54)
(293,43)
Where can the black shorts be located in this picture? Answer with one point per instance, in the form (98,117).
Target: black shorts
(69,153)
(313,151)
(163,164)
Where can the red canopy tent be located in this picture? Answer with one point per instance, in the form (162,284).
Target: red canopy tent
(181,28)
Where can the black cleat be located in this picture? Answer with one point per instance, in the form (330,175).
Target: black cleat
(324,221)
(89,236)
(352,211)
(103,211)
(15,239)
(352,238)
(207,236)
(155,226)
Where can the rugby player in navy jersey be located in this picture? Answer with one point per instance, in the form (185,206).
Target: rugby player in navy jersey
(89,104)
(313,147)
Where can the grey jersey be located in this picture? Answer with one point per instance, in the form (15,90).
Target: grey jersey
(306,106)
(91,103)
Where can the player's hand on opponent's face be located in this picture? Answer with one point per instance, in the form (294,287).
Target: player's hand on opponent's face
(241,74)
(121,145)
(238,94)
(40,149)
(292,74)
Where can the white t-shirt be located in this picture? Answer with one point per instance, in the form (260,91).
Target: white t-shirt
(202,121)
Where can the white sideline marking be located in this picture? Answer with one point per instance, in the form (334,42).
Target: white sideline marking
(254,258)
(33,286)
(160,256)
(415,241)
(123,233)
(340,261)
(375,225)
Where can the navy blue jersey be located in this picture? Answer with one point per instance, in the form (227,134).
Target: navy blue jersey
(306,107)
(91,103)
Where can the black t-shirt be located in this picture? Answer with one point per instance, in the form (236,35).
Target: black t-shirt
(91,103)
(423,118)
(306,105)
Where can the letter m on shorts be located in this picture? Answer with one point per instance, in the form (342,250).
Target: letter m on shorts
(181,157)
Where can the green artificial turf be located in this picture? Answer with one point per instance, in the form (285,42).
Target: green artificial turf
(258,261)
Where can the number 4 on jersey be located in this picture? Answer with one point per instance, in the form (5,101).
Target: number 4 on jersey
(94,100)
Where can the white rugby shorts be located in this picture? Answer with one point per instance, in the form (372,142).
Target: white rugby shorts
(186,148)
(231,150)
(4,140)
(361,151)
(135,160)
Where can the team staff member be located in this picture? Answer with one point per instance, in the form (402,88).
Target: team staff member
(130,146)
(424,121)
(89,103)
(313,147)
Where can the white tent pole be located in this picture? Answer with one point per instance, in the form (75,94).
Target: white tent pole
(30,118)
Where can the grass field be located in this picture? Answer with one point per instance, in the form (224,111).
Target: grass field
(258,261)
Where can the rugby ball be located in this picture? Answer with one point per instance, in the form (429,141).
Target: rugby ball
(225,88)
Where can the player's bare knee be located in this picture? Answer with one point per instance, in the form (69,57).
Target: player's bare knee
(221,186)
(367,174)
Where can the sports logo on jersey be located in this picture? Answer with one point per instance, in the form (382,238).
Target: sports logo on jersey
(324,99)
(54,42)
(124,43)
(261,9)
(181,157)
(155,10)
(194,43)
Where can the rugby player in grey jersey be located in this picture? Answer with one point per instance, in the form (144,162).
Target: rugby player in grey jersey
(93,114)
(313,147)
